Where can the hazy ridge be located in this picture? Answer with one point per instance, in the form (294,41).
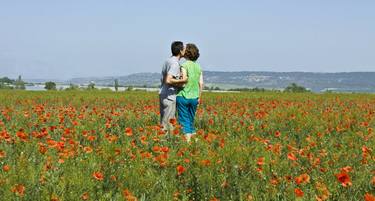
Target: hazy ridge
(342,81)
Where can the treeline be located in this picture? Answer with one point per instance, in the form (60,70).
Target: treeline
(7,83)
(292,88)
(256,89)
(91,87)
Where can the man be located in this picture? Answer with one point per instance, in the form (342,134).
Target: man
(170,82)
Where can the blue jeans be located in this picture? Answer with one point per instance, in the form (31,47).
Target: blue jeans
(186,109)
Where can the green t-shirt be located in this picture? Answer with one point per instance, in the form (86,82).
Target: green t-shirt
(191,88)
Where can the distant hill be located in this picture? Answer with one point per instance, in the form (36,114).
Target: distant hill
(345,81)
(136,79)
(353,81)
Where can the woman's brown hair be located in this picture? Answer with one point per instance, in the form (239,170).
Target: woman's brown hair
(191,52)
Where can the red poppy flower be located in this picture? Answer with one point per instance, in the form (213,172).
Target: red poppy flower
(6,168)
(22,135)
(180,169)
(369,197)
(156,149)
(302,179)
(19,189)
(344,179)
(165,149)
(85,196)
(2,154)
(298,192)
(205,162)
(292,157)
(98,176)
(88,149)
(128,195)
(172,121)
(128,131)
(260,161)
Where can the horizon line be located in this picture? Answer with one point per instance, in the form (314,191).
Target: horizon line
(219,71)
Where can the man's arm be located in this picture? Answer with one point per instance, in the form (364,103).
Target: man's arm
(172,81)
(173,71)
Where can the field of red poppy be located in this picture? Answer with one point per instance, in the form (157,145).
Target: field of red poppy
(249,146)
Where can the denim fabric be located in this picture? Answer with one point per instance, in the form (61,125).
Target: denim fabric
(186,109)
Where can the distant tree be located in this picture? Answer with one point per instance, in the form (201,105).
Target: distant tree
(72,87)
(217,88)
(50,86)
(19,83)
(91,86)
(116,85)
(130,88)
(6,80)
(294,88)
(256,89)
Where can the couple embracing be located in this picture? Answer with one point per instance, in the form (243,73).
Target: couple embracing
(181,88)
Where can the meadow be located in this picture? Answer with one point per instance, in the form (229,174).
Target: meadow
(249,146)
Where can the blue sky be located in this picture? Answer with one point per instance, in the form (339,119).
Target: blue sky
(65,39)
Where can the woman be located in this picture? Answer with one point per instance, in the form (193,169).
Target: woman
(188,97)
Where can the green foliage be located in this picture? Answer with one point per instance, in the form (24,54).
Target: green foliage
(50,86)
(256,89)
(212,88)
(19,83)
(72,87)
(91,86)
(53,143)
(6,80)
(294,88)
(116,85)
(130,88)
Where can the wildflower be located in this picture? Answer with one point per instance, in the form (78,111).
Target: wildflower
(42,148)
(128,131)
(2,154)
(98,176)
(298,192)
(292,157)
(91,138)
(88,149)
(260,161)
(205,162)
(302,179)
(180,169)
(6,168)
(85,196)
(344,179)
(172,121)
(22,135)
(128,195)
(19,190)
(165,149)
(369,197)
